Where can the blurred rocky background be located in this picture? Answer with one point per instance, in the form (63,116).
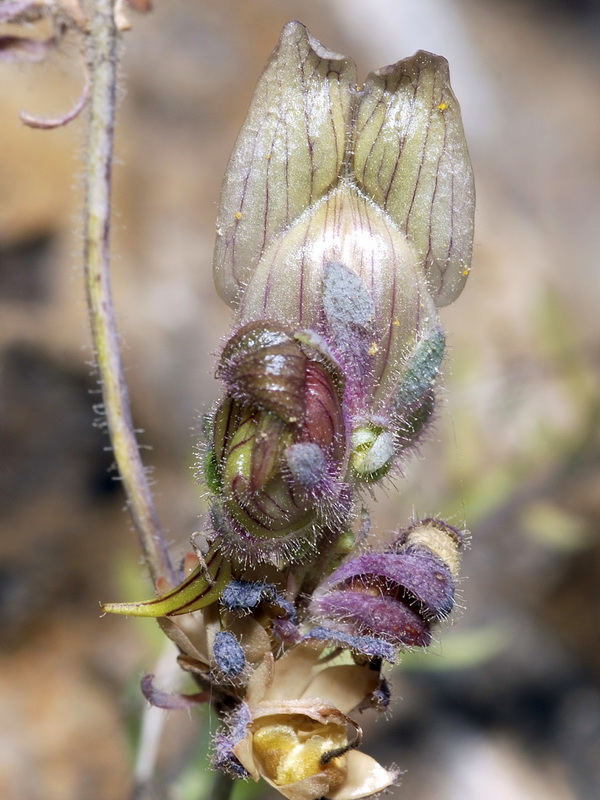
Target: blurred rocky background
(507,706)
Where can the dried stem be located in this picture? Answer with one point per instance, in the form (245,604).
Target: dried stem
(103,70)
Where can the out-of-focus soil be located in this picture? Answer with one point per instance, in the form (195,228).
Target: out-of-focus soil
(508,707)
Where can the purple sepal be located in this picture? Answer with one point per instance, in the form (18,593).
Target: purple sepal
(285,630)
(367,645)
(376,615)
(417,573)
(382,695)
(229,654)
(171,701)
(226,739)
(240,595)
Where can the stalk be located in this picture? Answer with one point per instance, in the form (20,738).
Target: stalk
(103,70)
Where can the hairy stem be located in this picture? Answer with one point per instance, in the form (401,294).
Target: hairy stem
(222,787)
(103,69)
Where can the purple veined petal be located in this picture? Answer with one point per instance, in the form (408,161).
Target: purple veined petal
(411,158)
(426,579)
(263,365)
(347,229)
(288,154)
(376,615)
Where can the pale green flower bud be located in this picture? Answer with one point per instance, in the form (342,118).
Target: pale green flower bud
(411,158)
(397,141)
(373,452)
(349,211)
(289,153)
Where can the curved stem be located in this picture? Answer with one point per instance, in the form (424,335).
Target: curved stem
(103,69)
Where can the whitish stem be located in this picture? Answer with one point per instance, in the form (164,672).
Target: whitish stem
(168,676)
(222,787)
(103,71)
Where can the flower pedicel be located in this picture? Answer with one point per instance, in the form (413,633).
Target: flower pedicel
(346,219)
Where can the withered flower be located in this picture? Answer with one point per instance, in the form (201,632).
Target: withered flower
(298,736)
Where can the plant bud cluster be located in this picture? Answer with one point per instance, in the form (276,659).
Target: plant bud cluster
(346,220)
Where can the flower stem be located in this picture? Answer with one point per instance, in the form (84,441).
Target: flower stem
(103,69)
(222,787)
(153,722)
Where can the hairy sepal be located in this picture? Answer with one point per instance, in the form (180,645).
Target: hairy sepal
(200,589)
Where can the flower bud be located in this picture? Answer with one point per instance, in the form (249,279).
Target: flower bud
(411,159)
(398,594)
(345,271)
(289,153)
(278,445)
(372,452)
(267,367)
(349,212)
(398,141)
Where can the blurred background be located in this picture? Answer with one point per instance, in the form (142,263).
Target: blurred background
(507,704)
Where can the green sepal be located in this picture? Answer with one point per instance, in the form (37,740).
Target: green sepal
(201,588)
(413,423)
(211,472)
(422,370)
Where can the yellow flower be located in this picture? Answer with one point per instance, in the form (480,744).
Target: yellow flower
(299,738)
